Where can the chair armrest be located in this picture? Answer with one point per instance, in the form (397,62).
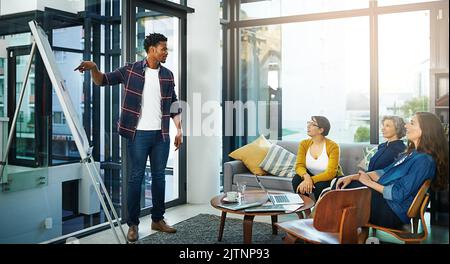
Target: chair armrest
(231,168)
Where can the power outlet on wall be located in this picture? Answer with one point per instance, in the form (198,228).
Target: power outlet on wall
(48,223)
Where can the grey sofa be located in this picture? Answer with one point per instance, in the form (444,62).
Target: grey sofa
(235,171)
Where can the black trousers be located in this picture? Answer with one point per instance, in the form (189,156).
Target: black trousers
(319,186)
(380,212)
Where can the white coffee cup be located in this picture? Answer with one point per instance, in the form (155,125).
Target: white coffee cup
(232,196)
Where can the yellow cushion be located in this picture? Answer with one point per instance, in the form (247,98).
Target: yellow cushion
(253,154)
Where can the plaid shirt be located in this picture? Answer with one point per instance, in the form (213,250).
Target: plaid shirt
(132,76)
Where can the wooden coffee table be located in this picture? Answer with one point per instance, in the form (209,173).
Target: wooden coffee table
(256,196)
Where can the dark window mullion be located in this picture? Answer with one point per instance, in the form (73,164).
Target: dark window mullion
(87,79)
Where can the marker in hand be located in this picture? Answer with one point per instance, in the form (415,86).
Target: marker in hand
(85,66)
(79,68)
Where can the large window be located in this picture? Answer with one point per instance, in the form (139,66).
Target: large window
(69,37)
(351,61)
(42,136)
(312,68)
(404,63)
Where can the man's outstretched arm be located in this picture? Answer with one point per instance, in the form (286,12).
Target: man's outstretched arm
(97,76)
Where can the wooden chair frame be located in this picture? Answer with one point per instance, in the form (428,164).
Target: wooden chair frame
(416,212)
(339,217)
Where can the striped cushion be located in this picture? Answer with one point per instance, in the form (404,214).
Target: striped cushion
(279,162)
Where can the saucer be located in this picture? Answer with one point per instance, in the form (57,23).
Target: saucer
(227,200)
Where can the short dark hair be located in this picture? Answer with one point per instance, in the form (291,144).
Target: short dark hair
(152,40)
(322,122)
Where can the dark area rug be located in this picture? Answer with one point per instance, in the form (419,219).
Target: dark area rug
(204,229)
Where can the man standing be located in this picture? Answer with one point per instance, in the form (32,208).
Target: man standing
(144,120)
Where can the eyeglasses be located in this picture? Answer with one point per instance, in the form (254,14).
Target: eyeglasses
(311,123)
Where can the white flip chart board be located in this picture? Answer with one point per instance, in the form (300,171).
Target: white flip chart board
(63,94)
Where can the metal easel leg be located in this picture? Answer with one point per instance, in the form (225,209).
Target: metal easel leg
(108,198)
(96,180)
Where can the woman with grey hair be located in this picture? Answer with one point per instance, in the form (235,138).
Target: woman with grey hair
(393,129)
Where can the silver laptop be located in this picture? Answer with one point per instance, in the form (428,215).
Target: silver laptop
(282,198)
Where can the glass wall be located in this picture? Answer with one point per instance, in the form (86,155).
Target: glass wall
(97,108)
(77,31)
(311,68)
(73,206)
(404,69)
(351,61)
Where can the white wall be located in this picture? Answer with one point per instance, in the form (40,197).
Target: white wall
(203,69)
(11,7)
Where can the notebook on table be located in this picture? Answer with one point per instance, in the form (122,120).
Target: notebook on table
(266,208)
(282,198)
(239,206)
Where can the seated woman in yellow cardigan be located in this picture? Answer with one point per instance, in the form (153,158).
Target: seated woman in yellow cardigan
(317,159)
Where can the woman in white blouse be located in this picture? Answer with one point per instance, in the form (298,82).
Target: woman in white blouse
(317,159)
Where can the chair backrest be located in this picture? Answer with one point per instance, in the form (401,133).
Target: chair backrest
(343,211)
(414,209)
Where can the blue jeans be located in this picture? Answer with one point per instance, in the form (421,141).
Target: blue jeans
(147,144)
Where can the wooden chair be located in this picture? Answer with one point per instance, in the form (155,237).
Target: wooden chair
(416,212)
(339,216)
